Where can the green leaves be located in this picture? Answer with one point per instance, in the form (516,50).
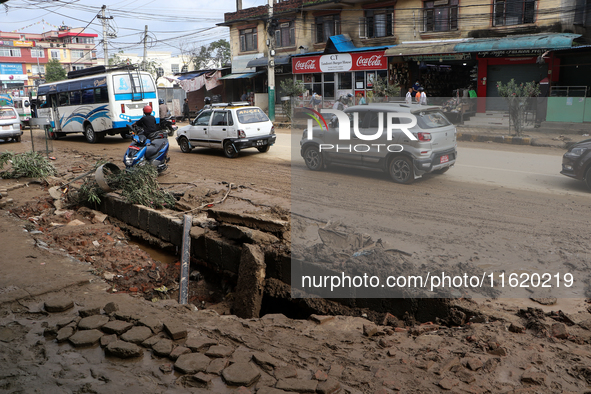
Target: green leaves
(26,165)
(54,71)
(518,96)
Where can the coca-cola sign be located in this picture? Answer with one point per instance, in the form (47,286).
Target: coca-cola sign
(340,62)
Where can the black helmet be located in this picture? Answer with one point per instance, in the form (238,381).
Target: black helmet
(207,101)
(160,101)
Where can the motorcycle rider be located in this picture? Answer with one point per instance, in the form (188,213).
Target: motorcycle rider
(148,123)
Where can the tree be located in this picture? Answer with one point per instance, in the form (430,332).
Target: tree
(291,89)
(214,55)
(518,97)
(382,90)
(54,71)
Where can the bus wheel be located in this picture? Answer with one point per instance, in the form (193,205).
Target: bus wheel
(91,135)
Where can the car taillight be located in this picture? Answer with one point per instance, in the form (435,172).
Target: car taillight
(122,108)
(173,120)
(272,129)
(241,134)
(424,136)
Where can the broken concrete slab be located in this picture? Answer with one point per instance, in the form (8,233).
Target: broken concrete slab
(192,363)
(245,234)
(93,322)
(123,349)
(241,374)
(85,338)
(58,304)
(137,334)
(251,282)
(117,327)
(176,329)
(258,222)
(198,343)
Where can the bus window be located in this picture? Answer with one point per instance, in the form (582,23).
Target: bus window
(63,99)
(101,95)
(75,98)
(88,96)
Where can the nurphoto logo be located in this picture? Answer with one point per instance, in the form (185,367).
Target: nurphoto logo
(344,130)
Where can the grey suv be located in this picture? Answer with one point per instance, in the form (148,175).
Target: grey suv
(404,159)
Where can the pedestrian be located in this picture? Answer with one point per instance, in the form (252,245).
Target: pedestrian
(315,101)
(422,96)
(244,96)
(339,104)
(186,113)
(408,98)
(415,88)
(362,99)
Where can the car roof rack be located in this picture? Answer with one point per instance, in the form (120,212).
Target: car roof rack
(232,104)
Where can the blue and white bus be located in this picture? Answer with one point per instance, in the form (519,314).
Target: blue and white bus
(97,101)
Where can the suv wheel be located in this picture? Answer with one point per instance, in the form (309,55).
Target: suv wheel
(264,148)
(229,150)
(588,178)
(401,170)
(313,158)
(184,144)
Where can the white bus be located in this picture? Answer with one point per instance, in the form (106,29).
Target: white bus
(97,101)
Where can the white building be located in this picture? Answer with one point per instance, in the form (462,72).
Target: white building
(168,64)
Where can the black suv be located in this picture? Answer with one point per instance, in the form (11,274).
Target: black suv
(576,163)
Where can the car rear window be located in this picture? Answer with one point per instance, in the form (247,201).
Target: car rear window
(251,115)
(431,120)
(7,113)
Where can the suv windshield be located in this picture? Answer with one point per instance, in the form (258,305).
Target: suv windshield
(431,120)
(251,115)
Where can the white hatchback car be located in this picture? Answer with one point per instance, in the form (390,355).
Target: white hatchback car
(230,127)
(10,124)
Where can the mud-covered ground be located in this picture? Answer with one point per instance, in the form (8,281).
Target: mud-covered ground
(495,346)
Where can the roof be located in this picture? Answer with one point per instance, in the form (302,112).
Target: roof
(192,75)
(529,41)
(241,75)
(342,43)
(263,61)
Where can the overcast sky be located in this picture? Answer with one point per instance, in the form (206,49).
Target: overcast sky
(172,24)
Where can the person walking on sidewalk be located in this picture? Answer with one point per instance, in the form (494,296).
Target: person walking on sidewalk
(408,97)
(186,113)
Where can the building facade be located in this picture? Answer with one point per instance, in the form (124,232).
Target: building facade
(447,45)
(23,56)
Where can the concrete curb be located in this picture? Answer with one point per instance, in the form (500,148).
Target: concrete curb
(503,139)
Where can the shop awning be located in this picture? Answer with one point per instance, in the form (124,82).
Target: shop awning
(425,48)
(525,42)
(263,61)
(242,75)
(342,44)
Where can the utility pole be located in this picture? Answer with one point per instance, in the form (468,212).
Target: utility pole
(145,47)
(271,64)
(104,19)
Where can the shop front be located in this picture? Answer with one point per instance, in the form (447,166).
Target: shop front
(336,75)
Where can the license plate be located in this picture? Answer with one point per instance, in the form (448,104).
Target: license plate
(259,142)
(6,127)
(444,159)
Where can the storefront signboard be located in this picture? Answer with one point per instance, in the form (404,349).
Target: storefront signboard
(511,52)
(436,58)
(11,68)
(24,43)
(340,62)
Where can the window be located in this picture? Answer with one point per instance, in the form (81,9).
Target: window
(10,52)
(63,99)
(77,67)
(248,40)
(55,54)
(326,26)
(251,115)
(377,23)
(345,81)
(75,97)
(77,54)
(220,118)
(203,119)
(37,53)
(285,35)
(440,15)
(583,12)
(514,12)
(37,69)
(174,68)
(185,68)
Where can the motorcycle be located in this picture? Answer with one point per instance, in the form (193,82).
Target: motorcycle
(168,124)
(142,150)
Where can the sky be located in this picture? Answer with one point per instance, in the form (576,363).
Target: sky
(173,25)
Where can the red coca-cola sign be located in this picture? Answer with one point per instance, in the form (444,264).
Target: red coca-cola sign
(340,62)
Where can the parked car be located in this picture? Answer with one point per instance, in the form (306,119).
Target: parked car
(576,162)
(10,124)
(230,127)
(403,159)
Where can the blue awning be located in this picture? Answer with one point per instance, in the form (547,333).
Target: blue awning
(192,75)
(342,44)
(242,75)
(526,42)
